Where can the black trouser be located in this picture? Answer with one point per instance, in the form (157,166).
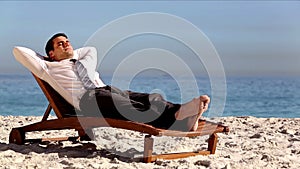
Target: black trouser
(111,102)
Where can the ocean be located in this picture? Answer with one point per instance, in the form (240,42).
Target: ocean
(246,96)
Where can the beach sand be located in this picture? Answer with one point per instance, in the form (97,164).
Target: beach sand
(251,143)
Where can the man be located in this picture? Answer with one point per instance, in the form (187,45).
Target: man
(76,72)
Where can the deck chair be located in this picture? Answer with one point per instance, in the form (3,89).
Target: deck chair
(67,119)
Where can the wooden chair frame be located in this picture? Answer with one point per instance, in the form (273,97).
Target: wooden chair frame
(67,119)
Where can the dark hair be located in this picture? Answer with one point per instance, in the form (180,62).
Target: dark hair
(49,44)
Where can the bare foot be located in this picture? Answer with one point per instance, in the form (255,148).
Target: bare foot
(192,107)
(193,110)
(206,100)
(192,123)
(188,109)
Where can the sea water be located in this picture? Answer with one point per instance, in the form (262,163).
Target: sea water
(245,96)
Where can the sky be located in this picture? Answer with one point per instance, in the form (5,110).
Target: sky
(252,38)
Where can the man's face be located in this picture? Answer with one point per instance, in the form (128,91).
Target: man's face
(62,49)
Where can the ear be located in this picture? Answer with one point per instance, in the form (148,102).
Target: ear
(51,55)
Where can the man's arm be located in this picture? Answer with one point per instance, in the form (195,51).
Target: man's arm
(31,60)
(88,57)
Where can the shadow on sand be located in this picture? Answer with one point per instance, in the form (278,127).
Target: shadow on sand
(74,149)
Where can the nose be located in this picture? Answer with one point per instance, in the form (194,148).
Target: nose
(66,44)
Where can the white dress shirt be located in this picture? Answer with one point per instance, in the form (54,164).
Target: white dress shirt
(64,72)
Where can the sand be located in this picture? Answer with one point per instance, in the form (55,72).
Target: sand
(251,143)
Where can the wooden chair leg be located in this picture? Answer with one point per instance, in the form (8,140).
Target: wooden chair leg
(47,113)
(17,136)
(212,143)
(148,149)
(86,135)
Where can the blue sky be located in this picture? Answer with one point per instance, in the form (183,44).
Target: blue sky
(252,38)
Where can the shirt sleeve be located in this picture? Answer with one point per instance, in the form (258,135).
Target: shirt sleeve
(88,58)
(31,60)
